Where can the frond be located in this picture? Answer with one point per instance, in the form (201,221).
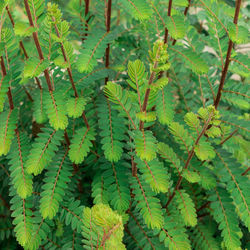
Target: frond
(75,106)
(34,67)
(186,207)
(4,84)
(115,176)
(148,205)
(180,135)
(224,214)
(39,114)
(103,228)
(154,174)
(43,150)
(202,238)
(139,9)
(145,145)
(173,233)
(164,106)
(113,134)
(194,61)
(55,183)
(81,144)
(21,180)
(54,104)
(176,26)
(237,33)
(8,120)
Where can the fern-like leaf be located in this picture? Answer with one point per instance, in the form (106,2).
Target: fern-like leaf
(21,180)
(54,103)
(186,207)
(80,145)
(43,150)
(7,130)
(56,180)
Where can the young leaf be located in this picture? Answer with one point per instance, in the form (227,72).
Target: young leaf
(80,144)
(176,26)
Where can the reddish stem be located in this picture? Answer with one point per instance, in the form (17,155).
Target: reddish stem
(227,62)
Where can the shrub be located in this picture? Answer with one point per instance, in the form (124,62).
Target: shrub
(124,124)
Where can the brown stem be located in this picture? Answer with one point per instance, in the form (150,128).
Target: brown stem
(4,72)
(203,206)
(227,138)
(245,172)
(229,50)
(69,70)
(190,156)
(169,14)
(37,43)
(108,22)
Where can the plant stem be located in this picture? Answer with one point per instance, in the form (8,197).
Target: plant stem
(22,45)
(185,13)
(169,14)
(108,22)
(227,138)
(190,156)
(227,61)
(37,43)
(4,73)
(69,70)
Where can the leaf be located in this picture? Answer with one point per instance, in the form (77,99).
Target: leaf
(113,134)
(164,106)
(23,29)
(204,150)
(145,145)
(148,205)
(75,106)
(43,150)
(55,183)
(4,84)
(186,207)
(54,104)
(238,34)
(7,130)
(146,116)
(194,61)
(80,144)
(34,67)
(94,48)
(39,114)
(139,9)
(136,72)
(176,26)
(21,180)
(154,174)
(192,120)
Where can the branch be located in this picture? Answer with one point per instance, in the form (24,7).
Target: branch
(108,21)
(229,50)
(37,43)
(190,156)
(227,138)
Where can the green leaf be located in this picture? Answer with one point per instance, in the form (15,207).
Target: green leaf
(75,106)
(7,130)
(192,121)
(238,34)
(80,144)
(23,29)
(146,116)
(145,145)
(139,9)
(204,150)
(54,104)
(186,207)
(176,26)
(34,67)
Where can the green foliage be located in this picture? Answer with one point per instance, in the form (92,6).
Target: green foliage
(100,222)
(81,144)
(124,124)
